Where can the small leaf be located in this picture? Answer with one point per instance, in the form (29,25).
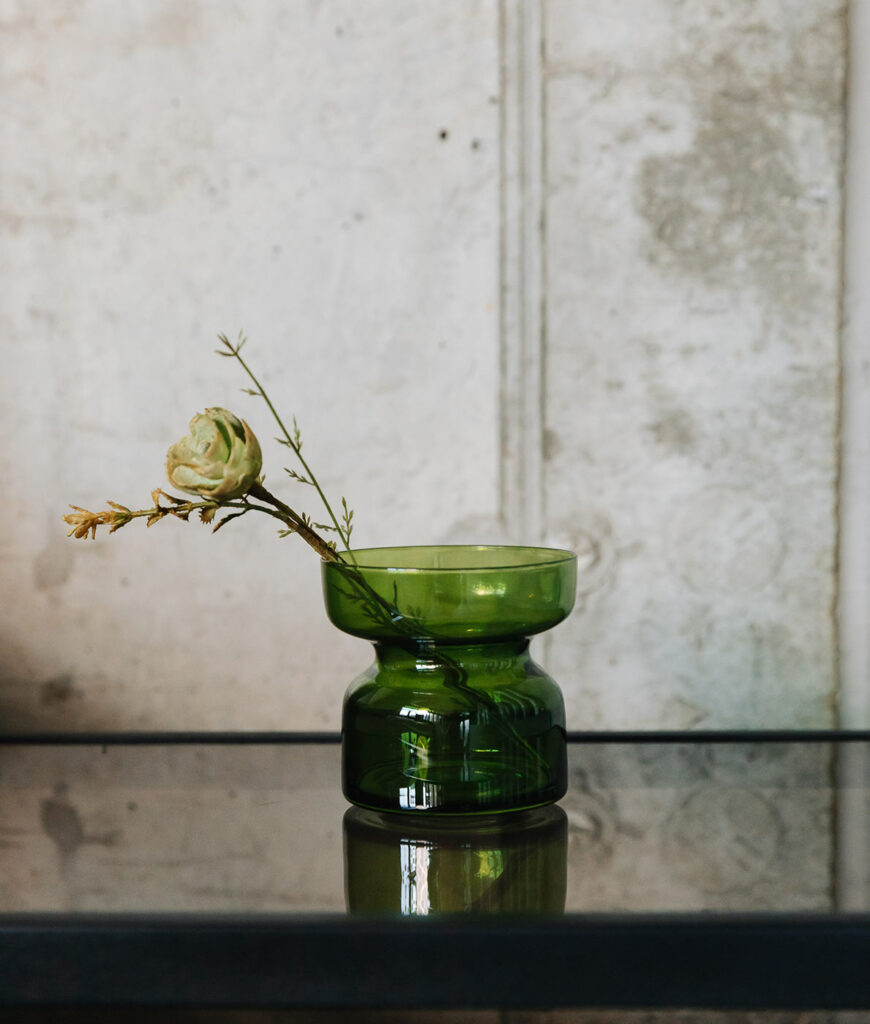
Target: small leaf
(226,519)
(207,514)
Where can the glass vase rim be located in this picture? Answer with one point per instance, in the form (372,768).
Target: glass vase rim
(551,556)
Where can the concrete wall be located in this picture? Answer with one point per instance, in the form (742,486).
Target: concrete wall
(566,271)
(693,166)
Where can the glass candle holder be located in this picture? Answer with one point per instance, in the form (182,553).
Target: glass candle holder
(454,716)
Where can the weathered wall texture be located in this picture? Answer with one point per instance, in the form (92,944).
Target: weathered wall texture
(693,162)
(186,828)
(323,176)
(702,826)
(565,271)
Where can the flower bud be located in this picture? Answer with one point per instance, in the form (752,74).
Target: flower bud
(219,458)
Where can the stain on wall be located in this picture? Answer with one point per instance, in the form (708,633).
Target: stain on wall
(327,181)
(692,239)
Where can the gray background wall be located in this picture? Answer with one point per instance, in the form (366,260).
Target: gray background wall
(568,272)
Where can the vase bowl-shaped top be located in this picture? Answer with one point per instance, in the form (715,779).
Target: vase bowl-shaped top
(454,593)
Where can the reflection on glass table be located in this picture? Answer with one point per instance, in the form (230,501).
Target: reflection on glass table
(258,827)
(196,872)
(396,863)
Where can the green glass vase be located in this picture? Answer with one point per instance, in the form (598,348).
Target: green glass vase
(454,716)
(486,864)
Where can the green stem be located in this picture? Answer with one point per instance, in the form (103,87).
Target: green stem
(283,513)
(296,522)
(289,439)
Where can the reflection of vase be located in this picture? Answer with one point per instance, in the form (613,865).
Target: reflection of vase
(410,864)
(454,716)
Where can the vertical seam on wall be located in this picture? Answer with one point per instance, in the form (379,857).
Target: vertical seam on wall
(542,244)
(510,340)
(854,469)
(533,292)
(835,767)
(502,490)
(852,869)
(520,259)
(839,414)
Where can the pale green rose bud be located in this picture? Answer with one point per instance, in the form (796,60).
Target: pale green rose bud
(219,458)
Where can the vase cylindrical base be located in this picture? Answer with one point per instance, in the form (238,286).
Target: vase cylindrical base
(466,730)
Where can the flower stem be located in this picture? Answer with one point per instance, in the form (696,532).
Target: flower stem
(296,523)
(234,349)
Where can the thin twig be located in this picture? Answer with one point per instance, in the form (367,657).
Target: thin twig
(291,443)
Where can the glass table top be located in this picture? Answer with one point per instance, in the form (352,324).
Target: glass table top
(250,827)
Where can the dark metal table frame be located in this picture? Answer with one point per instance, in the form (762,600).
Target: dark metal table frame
(704,959)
